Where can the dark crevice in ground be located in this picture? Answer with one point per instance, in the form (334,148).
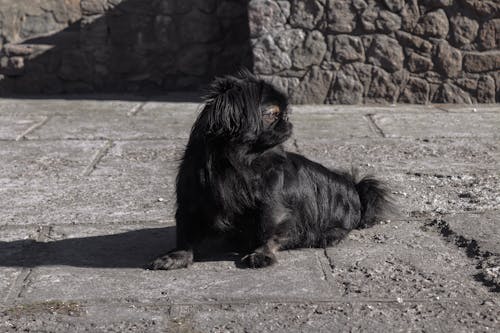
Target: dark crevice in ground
(487,262)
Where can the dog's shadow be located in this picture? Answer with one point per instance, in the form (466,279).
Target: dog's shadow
(131,249)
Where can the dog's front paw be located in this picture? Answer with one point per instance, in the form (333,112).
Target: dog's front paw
(172,260)
(259,259)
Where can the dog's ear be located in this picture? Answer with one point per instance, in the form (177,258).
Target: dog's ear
(224,107)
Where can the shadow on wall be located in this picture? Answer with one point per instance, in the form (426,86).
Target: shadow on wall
(134,46)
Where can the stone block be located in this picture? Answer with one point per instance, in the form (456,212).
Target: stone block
(346,89)
(383,87)
(311,52)
(486,90)
(386,52)
(313,88)
(483,7)
(387,21)
(340,16)
(448,60)
(417,63)
(450,93)
(268,57)
(306,14)
(489,36)
(198,27)
(394,5)
(463,29)
(93,7)
(265,17)
(477,62)
(433,24)
(346,48)
(284,84)
(415,42)
(416,91)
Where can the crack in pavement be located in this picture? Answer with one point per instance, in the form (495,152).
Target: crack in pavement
(487,262)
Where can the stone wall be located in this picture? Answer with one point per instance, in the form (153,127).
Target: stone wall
(80,46)
(319,51)
(355,51)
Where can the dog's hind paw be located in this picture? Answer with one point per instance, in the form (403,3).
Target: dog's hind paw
(172,260)
(259,259)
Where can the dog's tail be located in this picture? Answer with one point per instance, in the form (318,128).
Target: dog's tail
(376,202)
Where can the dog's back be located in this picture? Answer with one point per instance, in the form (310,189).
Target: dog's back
(327,204)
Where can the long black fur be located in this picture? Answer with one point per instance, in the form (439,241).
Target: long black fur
(236,180)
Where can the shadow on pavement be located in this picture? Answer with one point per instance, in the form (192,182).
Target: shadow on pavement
(131,249)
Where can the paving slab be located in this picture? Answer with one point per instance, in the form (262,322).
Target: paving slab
(110,126)
(49,107)
(358,316)
(97,200)
(365,109)
(445,156)
(439,125)
(472,108)
(157,158)
(331,126)
(403,259)
(421,195)
(482,228)
(343,317)
(53,159)
(13,127)
(185,109)
(208,280)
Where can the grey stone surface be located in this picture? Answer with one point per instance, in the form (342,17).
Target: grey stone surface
(203,281)
(435,125)
(264,317)
(88,199)
(157,158)
(329,126)
(12,128)
(445,156)
(482,228)
(97,200)
(58,159)
(420,194)
(402,253)
(55,106)
(106,126)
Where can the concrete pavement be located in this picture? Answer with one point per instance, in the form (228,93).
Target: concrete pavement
(86,199)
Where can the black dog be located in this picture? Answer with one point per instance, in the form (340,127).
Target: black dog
(235,179)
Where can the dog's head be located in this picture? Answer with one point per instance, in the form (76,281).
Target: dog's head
(244,110)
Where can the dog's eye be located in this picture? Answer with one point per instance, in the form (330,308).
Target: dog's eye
(271,114)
